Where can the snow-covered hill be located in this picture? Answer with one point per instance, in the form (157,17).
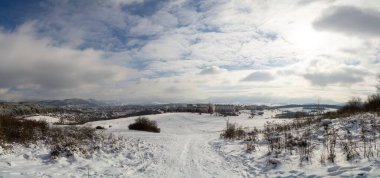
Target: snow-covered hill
(188,146)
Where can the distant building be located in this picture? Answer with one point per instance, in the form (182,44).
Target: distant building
(224,108)
(211,108)
(202,108)
(239,107)
(191,107)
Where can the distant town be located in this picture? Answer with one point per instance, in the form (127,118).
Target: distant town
(81,111)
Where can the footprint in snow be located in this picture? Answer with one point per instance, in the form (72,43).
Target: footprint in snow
(333,169)
(366,169)
(337,173)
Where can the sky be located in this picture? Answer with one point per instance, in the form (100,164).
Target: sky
(178,51)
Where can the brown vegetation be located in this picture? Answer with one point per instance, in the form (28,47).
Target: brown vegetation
(21,131)
(144,124)
(233,131)
(63,141)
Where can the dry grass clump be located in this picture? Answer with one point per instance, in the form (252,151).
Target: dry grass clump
(354,137)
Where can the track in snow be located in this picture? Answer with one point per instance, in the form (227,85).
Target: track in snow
(182,147)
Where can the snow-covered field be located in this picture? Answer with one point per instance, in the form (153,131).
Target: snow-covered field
(188,146)
(184,148)
(48,119)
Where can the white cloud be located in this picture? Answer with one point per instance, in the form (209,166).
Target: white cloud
(308,2)
(212,70)
(343,76)
(259,76)
(174,45)
(146,27)
(36,66)
(168,47)
(127,2)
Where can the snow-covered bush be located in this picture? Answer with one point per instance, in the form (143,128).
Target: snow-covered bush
(67,141)
(81,141)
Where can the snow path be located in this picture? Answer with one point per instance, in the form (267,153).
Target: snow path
(184,142)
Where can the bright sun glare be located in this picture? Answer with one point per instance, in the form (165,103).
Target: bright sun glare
(305,38)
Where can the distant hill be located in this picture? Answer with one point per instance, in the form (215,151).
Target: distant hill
(70,102)
(15,108)
(309,105)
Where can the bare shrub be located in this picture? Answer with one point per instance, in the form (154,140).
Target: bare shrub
(352,106)
(100,127)
(274,139)
(373,103)
(63,141)
(330,144)
(233,131)
(289,141)
(251,140)
(322,159)
(21,131)
(349,146)
(305,146)
(367,140)
(144,124)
